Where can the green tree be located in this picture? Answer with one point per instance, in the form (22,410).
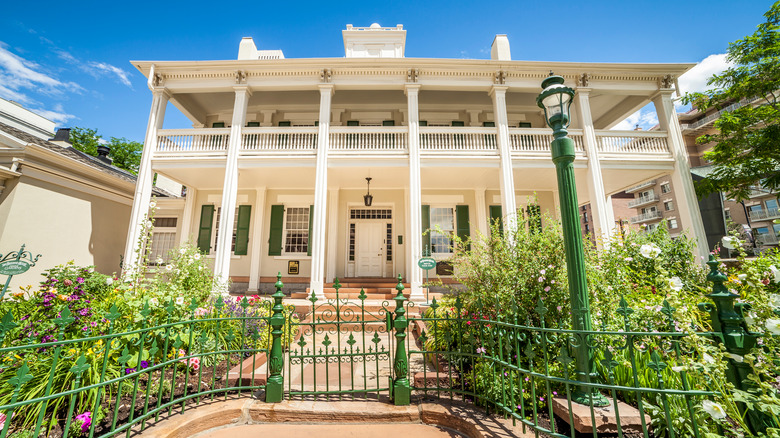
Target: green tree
(746,148)
(126,154)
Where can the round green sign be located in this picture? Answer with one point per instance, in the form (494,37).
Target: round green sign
(14,267)
(426,263)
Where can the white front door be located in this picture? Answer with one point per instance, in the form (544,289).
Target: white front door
(370,249)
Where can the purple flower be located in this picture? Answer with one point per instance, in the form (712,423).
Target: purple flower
(144,364)
(86,420)
(80,280)
(129,370)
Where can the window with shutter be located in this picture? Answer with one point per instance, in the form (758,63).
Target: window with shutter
(204,228)
(242,229)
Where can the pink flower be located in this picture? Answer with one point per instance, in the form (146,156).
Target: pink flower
(67,282)
(200,311)
(481,350)
(86,420)
(547,289)
(193,363)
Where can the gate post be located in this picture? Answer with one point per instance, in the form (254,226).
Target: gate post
(728,323)
(274,388)
(401,388)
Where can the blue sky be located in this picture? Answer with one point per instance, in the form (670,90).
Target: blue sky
(70,61)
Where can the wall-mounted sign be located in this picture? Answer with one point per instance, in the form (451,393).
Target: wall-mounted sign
(293,267)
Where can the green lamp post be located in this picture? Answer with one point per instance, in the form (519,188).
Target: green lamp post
(556,99)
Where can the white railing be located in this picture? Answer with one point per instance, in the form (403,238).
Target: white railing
(532,141)
(643,200)
(640,186)
(647,217)
(458,139)
(632,142)
(197,141)
(762,215)
(279,139)
(766,239)
(369,138)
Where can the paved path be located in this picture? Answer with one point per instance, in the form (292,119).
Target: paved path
(332,431)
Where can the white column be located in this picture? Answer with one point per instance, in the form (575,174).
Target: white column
(598,200)
(414,210)
(320,194)
(256,242)
(143,186)
(690,216)
(333,221)
(482,217)
(506,177)
(187,215)
(611,214)
(230,187)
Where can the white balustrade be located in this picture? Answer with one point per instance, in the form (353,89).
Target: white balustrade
(649,216)
(192,141)
(369,138)
(531,141)
(283,139)
(632,142)
(458,139)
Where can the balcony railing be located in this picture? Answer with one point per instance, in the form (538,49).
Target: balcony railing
(643,200)
(192,141)
(369,138)
(632,142)
(766,239)
(762,215)
(275,139)
(458,139)
(395,139)
(647,217)
(640,186)
(525,141)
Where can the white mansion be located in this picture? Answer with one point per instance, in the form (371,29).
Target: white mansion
(280,149)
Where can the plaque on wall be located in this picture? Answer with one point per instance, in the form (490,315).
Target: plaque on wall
(293,267)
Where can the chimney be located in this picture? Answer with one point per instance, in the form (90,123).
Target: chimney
(62,137)
(637,127)
(499,50)
(102,153)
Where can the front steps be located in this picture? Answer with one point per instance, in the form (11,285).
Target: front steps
(374,288)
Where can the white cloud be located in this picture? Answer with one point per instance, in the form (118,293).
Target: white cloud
(18,75)
(695,79)
(98,68)
(646,118)
(57,115)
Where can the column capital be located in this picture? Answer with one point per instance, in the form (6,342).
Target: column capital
(162,91)
(497,89)
(414,88)
(324,87)
(583,90)
(243,88)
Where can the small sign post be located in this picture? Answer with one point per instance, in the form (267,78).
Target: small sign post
(426,263)
(15,263)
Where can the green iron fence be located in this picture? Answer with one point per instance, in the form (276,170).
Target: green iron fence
(513,365)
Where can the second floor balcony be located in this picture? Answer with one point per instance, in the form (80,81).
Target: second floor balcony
(642,200)
(647,217)
(447,140)
(762,215)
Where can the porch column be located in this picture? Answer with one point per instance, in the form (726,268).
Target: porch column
(143,186)
(506,177)
(257,235)
(414,207)
(598,200)
(230,187)
(187,214)
(482,218)
(320,194)
(690,216)
(333,221)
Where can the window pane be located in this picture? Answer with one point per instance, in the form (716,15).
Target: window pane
(444,220)
(161,246)
(297,226)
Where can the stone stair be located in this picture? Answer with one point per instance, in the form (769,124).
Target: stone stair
(374,288)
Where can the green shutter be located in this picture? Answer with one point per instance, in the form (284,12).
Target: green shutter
(284,123)
(534,218)
(426,225)
(311,219)
(524,125)
(353,123)
(423,123)
(497,216)
(277,227)
(218,125)
(388,122)
(242,230)
(458,123)
(489,124)
(252,124)
(462,223)
(204,228)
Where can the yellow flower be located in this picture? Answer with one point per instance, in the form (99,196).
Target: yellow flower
(62,297)
(89,351)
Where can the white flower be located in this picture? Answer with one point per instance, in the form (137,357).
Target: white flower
(708,359)
(731,242)
(168,267)
(180,301)
(775,273)
(629,259)
(149,224)
(751,318)
(773,326)
(154,302)
(678,369)
(742,277)
(196,256)
(774,300)
(714,409)
(159,260)
(651,250)
(737,358)
(182,250)
(152,204)
(109,281)
(675,283)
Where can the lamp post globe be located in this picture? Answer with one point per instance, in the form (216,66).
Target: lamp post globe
(556,100)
